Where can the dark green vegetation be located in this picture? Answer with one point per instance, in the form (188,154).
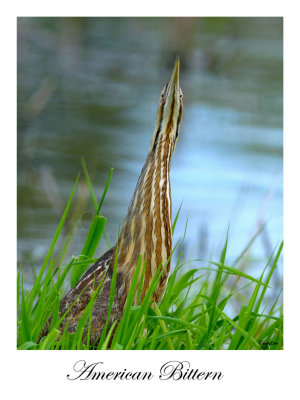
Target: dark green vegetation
(193,314)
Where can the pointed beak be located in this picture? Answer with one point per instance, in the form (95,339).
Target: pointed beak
(173,85)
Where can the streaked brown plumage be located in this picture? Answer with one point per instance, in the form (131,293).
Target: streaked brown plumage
(147,229)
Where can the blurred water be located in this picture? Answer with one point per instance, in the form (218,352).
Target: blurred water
(89,87)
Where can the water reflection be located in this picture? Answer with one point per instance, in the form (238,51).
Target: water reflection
(88,87)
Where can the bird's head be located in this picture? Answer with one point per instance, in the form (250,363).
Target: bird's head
(169,111)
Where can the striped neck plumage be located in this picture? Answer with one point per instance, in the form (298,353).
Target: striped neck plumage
(147,229)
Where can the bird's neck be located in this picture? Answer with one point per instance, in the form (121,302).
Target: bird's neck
(147,229)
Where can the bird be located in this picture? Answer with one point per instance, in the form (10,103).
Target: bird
(146,231)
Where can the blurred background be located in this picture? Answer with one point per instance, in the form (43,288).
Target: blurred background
(89,87)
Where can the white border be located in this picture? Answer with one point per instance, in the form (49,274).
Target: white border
(247,374)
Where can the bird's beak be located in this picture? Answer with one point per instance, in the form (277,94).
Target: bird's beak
(173,85)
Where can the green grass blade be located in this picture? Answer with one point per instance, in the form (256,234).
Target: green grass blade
(234,271)
(176,218)
(94,236)
(268,278)
(28,346)
(163,326)
(89,183)
(25,320)
(125,332)
(48,341)
(109,335)
(90,246)
(105,190)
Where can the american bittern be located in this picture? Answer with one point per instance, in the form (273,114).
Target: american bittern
(147,228)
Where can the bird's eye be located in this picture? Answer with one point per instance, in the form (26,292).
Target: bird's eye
(162,95)
(181,96)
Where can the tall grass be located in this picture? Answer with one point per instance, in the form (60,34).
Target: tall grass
(194,314)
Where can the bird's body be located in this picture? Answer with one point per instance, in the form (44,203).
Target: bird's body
(147,229)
